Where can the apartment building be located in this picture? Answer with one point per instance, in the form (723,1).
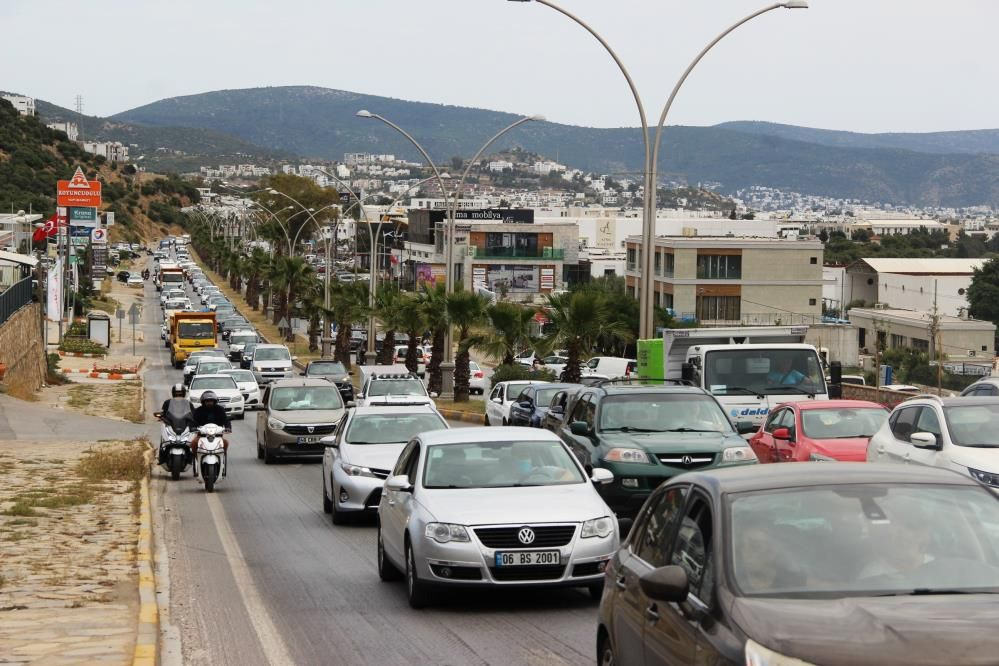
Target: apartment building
(912,284)
(71,129)
(960,338)
(112,151)
(23,105)
(732,280)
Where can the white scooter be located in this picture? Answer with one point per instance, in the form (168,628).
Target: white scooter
(175,438)
(211,457)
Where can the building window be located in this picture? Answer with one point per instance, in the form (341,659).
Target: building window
(659,263)
(632,259)
(719,267)
(920,345)
(726,308)
(667,301)
(668,264)
(811,301)
(897,341)
(813,260)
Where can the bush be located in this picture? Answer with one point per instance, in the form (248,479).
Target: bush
(82,346)
(52,375)
(518,372)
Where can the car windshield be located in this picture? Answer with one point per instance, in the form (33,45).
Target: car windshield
(662,412)
(864,540)
(212,367)
(197,330)
(543,397)
(396,387)
(391,428)
(513,389)
(842,423)
(196,357)
(974,425)
(763,372)
(214,383)
(271,354)
(504,464)
(242,376)
(241,339)
(326,368)
(294,398)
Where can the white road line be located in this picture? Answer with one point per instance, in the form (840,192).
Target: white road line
(270,638)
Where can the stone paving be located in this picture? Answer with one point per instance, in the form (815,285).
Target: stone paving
(68,576)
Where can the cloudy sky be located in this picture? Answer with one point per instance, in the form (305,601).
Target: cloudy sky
(862,65)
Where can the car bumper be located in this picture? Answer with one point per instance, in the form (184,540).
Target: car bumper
(633,483)
(235,409)
(363,493)
(582,563)
(280,443)
(268,377)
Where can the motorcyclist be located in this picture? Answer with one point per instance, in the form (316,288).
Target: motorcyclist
(177,392)
(176,404)
(210,411)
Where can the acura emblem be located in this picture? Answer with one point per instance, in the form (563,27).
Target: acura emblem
(525,536)
(686,460)
(311,429)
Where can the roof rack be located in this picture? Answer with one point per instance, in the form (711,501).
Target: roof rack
(925,396)
(644,380)
(394,375)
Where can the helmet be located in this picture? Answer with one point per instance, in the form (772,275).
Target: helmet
(177,391)
(209,395)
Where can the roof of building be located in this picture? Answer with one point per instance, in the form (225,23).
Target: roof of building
(15,258)
(918,318)
(944,266)
(746,242)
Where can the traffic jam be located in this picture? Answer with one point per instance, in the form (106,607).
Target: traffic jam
(659,496)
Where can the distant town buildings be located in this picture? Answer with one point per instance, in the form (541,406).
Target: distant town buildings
(112,151)
(23,105)
(71,129)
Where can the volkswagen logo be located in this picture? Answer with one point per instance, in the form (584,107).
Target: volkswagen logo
(525,536)
(686,460)
(312,429)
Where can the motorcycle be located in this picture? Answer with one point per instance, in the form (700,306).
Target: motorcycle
(175,437)
(211,457)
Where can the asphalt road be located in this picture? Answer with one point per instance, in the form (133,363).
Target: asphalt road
(258,574)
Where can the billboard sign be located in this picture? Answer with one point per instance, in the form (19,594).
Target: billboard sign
(78,191)
(99,236)
(77,214)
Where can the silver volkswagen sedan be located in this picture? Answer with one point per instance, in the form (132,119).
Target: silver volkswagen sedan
(366,447)
(493,507)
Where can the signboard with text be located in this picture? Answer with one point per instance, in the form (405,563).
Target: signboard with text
(78,191)
(77,214)
(99,236)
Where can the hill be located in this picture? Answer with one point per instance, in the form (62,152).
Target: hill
(321,122)
(33,157)
(943,143)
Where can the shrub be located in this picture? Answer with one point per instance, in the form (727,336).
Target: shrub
(53,377)
(518,372)
(78,346)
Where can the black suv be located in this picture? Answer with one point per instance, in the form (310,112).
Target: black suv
(647,433)
(332,371)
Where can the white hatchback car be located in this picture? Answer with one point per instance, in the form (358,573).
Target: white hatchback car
(961,434)
(493,507)
(224,386)
(500,399)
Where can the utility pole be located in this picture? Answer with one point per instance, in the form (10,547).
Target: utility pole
(935,341)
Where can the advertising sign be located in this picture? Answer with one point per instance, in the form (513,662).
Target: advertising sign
(109,219)
(99,236)
(78,191)
(77,214)
(54,293)
(547,278)
(513,279)
(606,233)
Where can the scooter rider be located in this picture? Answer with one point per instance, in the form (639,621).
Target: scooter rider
(177,392)
(210,411)
(177,405)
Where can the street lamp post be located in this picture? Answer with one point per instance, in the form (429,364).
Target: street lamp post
(646,288)
(447,366)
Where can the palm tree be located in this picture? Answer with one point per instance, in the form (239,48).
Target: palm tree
(412,321)
(350,305)
(465,310)
(387,311)
(288,278)
(311,298)
(433,304)
(256,266)
(509,331)
(578,321)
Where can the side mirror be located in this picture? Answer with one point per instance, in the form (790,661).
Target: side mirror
(579,428)
(498,400)
(399,483)
(351,404)
(782,433)
(301,374)
(557,409)
(330,442)
(924,440)
(745,427)
(601,475)
(667,584)
(526,404)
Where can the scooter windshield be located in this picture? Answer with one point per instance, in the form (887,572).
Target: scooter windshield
(179,415)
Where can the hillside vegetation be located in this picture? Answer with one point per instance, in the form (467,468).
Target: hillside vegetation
(33,157)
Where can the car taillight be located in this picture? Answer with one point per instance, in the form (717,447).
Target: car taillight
(478,374)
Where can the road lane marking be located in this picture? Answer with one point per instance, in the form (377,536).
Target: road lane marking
(267,633)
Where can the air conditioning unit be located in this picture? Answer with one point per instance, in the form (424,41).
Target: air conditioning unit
(689,232)
(880,306)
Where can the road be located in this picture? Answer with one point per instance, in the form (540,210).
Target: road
(258,574)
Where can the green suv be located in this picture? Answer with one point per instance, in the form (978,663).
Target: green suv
(646,434)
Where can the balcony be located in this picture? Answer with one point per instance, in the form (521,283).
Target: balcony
(516,254)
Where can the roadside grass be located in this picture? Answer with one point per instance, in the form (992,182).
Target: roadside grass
(123,399)
(472,406)
(124,462)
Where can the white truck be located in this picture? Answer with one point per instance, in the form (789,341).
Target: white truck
(749,370)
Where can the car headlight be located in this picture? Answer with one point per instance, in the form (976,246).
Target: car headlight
(738,454)
(355,470)
(597,527)
(818,457)
(446,532)
(988,478)
(275,424)
(757,655)
(626,455)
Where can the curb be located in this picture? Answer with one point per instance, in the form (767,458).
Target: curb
(103,375)
(148,628)
(81,354)
(458,415)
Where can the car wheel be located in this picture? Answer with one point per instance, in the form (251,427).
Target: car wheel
(386,570)
(596,591)
(260,452)
(418,591)
(605,651)
(327,504)
(268,456)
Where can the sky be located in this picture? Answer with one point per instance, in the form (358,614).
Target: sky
(858,65)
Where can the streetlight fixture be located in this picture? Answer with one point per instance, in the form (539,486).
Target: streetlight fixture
(447,366)
(646,304)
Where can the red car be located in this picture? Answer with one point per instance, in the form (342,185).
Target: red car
(818,430)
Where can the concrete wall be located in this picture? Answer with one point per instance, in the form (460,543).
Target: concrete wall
(21,349)
(915,292)
(839,339)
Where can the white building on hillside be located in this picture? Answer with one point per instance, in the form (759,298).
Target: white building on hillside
(23,105)
(71,129)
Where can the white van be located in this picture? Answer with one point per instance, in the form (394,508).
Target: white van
(611,367)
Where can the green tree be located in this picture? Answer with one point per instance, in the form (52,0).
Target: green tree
(983,292)
(387,310)
(510,327)
(412,321)
(579,320)
(433,305)
(350,306)
(465,311)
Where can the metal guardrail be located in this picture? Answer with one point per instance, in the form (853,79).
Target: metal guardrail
(14,298)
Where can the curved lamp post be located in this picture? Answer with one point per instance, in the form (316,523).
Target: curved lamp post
(646,310)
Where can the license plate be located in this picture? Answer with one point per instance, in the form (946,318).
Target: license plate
(309,440)
(528,558)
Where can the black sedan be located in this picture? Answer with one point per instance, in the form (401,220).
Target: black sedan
(532,404)
(334,372)
(838,564)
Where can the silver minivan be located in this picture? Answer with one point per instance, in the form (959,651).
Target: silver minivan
(271,362)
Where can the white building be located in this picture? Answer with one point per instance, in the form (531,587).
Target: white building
(912,284)
(499,165)
(71,129)
(112,151)
(24,105)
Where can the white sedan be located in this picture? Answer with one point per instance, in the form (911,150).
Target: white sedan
(248,386)
(136,281)
(224,386)
(502,396)
(477,382)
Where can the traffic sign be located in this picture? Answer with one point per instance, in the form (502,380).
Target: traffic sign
(120,313)
(134,310)
(78,191)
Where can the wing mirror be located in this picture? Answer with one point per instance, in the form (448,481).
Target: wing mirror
(783,433)
(498,400)
(330,442)
(745,427)
(924,440)
(526,404)
(601,476)
(557,409)
(399,483)
(351,404)
(667,584)
(579,428)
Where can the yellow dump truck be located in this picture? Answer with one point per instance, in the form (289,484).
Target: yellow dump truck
(190,331)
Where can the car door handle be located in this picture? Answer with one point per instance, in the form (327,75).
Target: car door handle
(620,582)
(652,613)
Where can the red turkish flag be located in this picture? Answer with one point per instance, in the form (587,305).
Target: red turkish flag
(49,229)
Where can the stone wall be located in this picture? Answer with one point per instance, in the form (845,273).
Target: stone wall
(21,349)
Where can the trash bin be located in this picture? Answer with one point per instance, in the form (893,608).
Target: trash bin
(99,327)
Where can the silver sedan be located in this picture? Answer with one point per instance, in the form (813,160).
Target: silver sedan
(493,507)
